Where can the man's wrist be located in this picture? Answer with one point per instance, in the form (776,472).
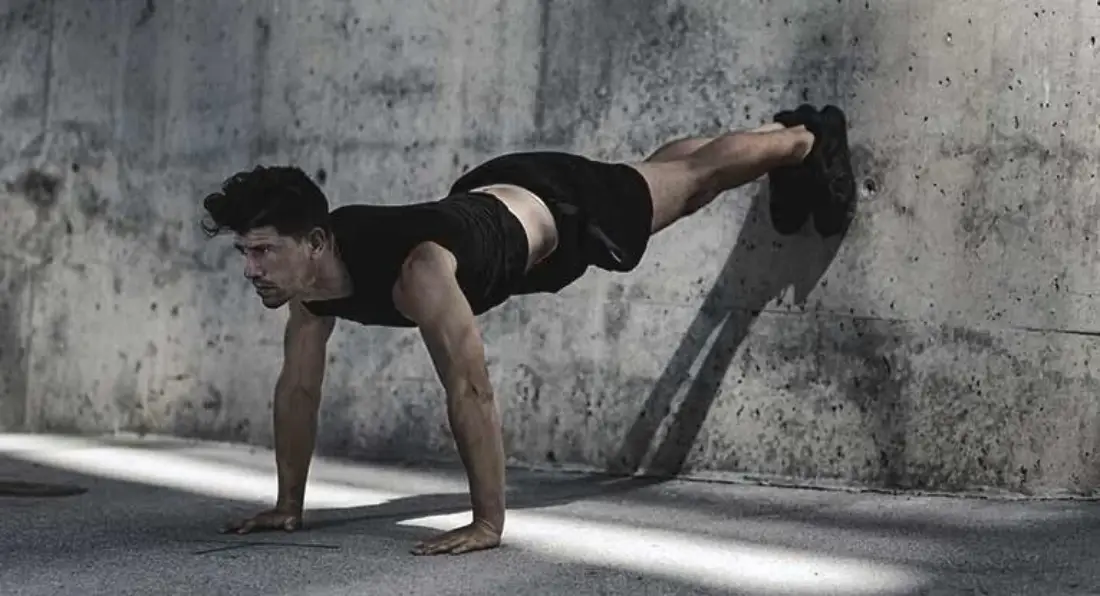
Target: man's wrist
(288,506)
(494,524)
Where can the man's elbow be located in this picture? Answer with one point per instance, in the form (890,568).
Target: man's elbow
(471,388)
(292,388)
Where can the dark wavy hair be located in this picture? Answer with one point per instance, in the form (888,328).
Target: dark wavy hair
(283,197)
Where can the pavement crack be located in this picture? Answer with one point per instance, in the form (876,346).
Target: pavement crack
(228,545)
(219,549)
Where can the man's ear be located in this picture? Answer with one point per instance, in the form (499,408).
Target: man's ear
(317,240)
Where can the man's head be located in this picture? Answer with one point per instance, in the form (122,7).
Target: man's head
(281,222)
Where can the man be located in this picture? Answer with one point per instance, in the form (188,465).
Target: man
(518,224)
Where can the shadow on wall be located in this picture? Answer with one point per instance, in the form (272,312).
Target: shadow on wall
(760,268)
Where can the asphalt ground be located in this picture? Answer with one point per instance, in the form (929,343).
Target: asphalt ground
(118,516)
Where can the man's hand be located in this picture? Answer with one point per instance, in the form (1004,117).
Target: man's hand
(476,536)
(272,519)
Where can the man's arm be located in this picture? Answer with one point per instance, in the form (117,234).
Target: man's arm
(428,294)
(297,400)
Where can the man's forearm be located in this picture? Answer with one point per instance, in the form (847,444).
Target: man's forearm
(475,423)
(295,433)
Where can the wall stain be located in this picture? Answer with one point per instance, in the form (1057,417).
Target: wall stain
(261,145)
(147,13)
(214,399)
(14,282)
(616,313)
(1009,160)
(90,202)
(581,50)
(21,107)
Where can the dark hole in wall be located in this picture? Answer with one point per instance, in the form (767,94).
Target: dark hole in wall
(39,188)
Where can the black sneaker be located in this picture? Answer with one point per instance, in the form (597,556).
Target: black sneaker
(792,188)
(830,161)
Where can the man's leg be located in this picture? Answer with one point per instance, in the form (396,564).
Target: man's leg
(686,175)
(671,203)
(683,147)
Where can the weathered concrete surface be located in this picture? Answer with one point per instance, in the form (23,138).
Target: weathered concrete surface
(942,344)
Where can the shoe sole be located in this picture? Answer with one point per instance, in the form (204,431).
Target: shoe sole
(835,209)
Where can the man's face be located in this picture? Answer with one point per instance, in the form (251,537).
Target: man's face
(279,267)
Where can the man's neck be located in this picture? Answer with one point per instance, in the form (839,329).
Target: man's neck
(332,281)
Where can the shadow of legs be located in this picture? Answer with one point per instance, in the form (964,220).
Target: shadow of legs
(760,268)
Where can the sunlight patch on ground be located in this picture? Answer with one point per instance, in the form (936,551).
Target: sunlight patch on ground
(172,470)
(721,563)
(716,563)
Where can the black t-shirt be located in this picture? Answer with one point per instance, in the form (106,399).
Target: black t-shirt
(487,240)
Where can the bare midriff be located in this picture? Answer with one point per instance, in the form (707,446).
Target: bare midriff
(533,215)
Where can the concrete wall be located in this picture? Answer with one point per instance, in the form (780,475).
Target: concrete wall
(942,344)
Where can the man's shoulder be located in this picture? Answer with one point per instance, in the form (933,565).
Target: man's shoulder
(347,221)
(349,211)
(368,213)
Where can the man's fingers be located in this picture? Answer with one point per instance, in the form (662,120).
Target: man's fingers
(443,544)
(470,545)
(428,546)
(455,542)
(264,521)
(247,526)
(432,549)
(233,526)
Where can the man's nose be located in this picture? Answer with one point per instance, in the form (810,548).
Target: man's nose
(251,271)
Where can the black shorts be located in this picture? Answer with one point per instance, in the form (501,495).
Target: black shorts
(603,211)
